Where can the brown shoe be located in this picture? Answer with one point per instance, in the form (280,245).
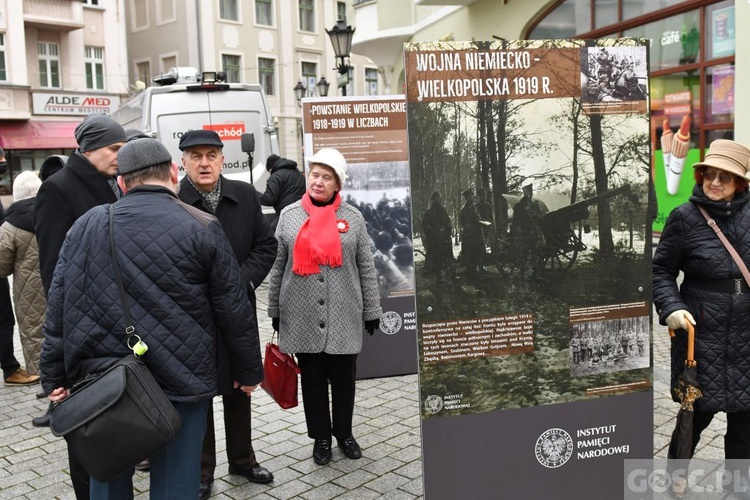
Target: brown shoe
(21,377)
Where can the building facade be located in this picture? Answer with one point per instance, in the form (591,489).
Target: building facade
(697,57)
(60,60)
(276,43)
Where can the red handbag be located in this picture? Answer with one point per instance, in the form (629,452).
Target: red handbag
(280,376)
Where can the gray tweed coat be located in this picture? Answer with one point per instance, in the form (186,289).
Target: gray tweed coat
(323,312)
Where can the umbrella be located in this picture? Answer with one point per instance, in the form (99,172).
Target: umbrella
(687,390)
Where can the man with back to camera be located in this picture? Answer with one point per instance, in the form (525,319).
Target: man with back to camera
(237,206)
(87,180)
(285,185)
(185,290)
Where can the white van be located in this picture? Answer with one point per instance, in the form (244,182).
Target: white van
(185,100)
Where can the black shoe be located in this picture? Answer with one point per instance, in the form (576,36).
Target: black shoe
(44,420)
(256,474)
(204,490)
(41,394)
(322,451)
(350,448)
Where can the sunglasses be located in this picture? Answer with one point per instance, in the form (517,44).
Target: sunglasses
(724,178)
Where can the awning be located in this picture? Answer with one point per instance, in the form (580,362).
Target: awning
(37,135)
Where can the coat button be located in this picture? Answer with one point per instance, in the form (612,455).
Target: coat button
(322,302)
(321,279)
(322,325)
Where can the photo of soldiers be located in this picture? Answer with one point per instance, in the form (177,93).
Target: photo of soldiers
(526,233)
(607,346)
(436,237)
(472,240)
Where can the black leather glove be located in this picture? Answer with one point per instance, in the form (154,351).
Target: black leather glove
(275,323)
(372,325)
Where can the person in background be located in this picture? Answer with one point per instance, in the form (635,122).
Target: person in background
(436,232)
(235,204)
(52,165)
(172,255)
(88,180)
(13,373)
(19,256)
(285,185)
(713,295)
(321,289)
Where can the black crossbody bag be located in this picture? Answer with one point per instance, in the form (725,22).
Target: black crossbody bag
(118,418)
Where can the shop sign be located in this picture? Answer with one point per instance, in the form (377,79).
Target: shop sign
(73,104)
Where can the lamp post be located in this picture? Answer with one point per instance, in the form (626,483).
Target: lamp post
(299,92)
(341,39)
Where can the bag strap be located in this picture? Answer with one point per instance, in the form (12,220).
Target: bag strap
(129,326)
(735,256)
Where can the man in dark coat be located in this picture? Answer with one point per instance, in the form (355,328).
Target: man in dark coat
(436,229)
(473,251)
(184,289)
(285,185)
(236,205)
(87,180)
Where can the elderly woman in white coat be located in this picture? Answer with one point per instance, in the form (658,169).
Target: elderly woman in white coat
(322,289)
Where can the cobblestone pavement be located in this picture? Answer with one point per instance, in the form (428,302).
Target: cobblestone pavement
(33,463)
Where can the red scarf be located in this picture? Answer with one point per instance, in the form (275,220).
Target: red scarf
(318,241)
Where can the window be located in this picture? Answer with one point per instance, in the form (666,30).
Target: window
(309,73)
(168,62)
(165,10)
(3,71)
(91,2)
(94,61)
(371,81)
(264,12)
(140,14)
(676,40)
(341,11)
(231,66)
(49,65)
(228,10)
(306,15)
(266,68)
(143,72)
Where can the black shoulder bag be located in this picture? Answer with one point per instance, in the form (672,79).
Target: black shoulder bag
(120,417)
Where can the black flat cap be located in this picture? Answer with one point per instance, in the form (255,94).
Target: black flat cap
(200,138)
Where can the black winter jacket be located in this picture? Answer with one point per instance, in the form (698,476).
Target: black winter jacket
(183,285)
(285,186)
(251,238)
(21,214)
(61,200)
(722,347)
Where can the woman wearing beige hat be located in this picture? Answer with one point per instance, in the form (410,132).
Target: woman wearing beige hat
(713,295)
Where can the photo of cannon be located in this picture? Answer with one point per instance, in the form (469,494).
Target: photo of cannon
(552,240)
(562,230)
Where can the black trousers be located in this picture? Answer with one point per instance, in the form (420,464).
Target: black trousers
(317,370)
(240,453)
(8,362)
(736,440)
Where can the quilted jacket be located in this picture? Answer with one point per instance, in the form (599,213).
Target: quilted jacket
(324,312)
(183,285)
(19,256)
(722,348)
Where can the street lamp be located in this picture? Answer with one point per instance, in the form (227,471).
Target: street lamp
(322,86)
(299,92)
(341,39)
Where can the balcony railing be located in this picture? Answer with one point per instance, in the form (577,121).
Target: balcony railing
(62,15)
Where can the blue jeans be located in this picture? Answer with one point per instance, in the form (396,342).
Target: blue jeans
(175,470)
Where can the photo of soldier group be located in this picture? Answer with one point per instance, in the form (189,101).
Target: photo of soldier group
(526,206)
(611,74)
(609,346)
(381,192)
